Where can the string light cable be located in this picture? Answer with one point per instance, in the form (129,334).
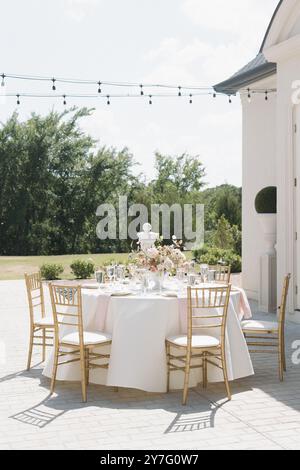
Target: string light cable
(142,90)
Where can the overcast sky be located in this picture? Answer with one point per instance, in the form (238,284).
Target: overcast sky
(188,42)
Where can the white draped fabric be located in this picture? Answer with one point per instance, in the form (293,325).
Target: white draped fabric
(139,325)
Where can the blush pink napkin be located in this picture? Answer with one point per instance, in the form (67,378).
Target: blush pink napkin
(245,310)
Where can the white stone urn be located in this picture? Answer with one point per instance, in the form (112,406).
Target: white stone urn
(268,224)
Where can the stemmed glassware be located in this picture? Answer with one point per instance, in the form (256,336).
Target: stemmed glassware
(120,273)
(204,268)
(110,271)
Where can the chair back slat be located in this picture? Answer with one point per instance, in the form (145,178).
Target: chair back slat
(35,295)
(200,300)
(222,273)
(67,310)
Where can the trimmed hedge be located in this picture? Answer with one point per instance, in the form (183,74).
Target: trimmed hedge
(266,201)
(212,256)
(51,272)
(82,269)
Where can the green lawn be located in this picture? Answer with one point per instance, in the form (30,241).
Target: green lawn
(14,267)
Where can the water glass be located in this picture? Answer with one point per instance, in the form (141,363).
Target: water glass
(99,276)
(192,279)
(211,275)
(180,274)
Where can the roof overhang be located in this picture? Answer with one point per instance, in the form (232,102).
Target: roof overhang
(244,80)
(258,69)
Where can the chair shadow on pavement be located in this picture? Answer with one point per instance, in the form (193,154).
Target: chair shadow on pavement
(199,414)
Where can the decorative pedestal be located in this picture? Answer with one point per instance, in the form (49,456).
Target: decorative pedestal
(268,283)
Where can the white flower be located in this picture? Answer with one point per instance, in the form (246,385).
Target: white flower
(152,253)
(168,264)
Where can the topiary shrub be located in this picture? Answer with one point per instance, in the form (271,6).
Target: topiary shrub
(82,269)
(212,256)
(266,201)
(51,272)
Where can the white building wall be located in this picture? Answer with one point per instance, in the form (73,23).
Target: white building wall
(259,171)
(287,72)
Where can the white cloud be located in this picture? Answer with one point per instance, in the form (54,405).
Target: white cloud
(102,126)
(232,16)
(77,10)
(196,62)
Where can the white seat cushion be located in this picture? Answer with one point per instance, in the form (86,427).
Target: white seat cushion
(197,341)
(89,337)
(47,321)
(256,325)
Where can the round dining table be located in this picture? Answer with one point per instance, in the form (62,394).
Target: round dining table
(139,323)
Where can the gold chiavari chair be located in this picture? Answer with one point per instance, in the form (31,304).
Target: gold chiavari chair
(77,345)
(267,336)
(41,328)
(207,311)
(222,273)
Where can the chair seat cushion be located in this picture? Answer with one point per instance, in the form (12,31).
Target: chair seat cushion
(89,338)
(255,325)
(47,321)
(197,341)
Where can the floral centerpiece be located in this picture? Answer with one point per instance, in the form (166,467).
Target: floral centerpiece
(162,258)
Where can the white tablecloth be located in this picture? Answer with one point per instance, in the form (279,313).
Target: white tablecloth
(139,326)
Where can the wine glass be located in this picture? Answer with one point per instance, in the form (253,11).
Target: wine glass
(204,268)
(120,273)
(110,271)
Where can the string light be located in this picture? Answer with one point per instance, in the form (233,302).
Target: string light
(208,90)
(18,100)
(189,96)
(249,96)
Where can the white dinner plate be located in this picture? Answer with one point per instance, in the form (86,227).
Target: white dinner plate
(170,294)
(121,293)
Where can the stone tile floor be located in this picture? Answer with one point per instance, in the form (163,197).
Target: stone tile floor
(264,413)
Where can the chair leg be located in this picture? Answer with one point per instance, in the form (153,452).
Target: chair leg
(54,371)
(168,366)
(83,375)
(280,360)
(186,378)
(225,374)
(87,369)
(283,353)
(204,363)
(44,345)
(30,349)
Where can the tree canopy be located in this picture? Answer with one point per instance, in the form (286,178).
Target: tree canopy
(53,178)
